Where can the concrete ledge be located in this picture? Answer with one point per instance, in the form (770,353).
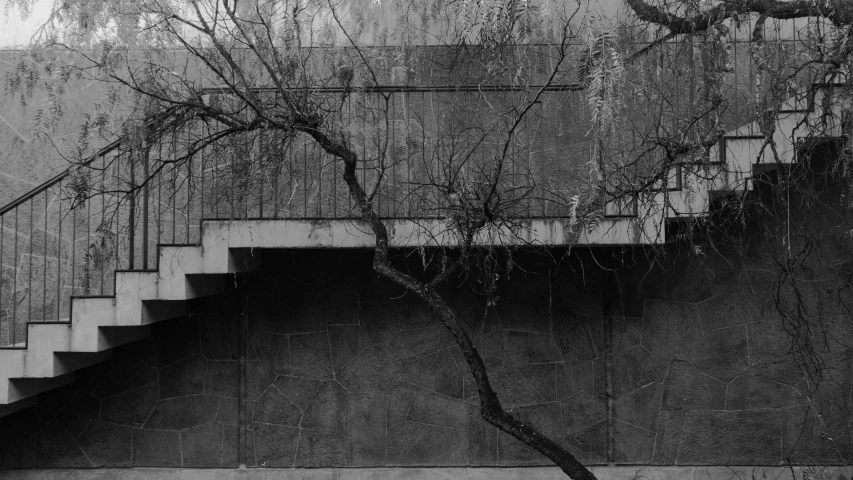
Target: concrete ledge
(441,473)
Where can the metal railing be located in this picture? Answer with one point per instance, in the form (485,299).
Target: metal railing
(70,235)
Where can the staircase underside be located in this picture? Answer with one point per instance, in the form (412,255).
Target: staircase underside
(54,350)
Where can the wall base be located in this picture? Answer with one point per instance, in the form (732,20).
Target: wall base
(446,473)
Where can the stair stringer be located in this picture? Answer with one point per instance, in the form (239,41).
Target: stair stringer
(54,350)
(733,160)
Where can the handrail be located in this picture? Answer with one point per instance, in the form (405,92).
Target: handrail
(55,179)
(562,87)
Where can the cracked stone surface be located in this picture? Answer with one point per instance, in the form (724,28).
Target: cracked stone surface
(379,383)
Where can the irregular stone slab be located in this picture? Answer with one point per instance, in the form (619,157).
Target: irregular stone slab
(573,337)
(408,345)
(230,446)
(770,353)
(183,412)
(632,444)
(202,446)
(106,444)
(184,377)
(809,439)
(580,291)
(311,355)
(56,449)
(640,408)
(581,411)
(371,371)
(301,312)
(627,332)
(449,373)
(379,322)
(529,347)
(131,367)
(258,379)
(722,354)
(431,408)
(367,420)
(130,408)
(589,445)
(156,448)
(79,413)
(669,428)
(327,410)
(731,438)
(222,379)
(525,315)
(298,390)
(511,387)
(275,408)
(415,314)
(543,377)
(735,307)
(398,400)
(751,392)
(670,328)
(273,349)
(573,378)
(216,343)
(482,439)
(318,449)
(492,347)
(176,340)
(420,444)
(632,369)
(343,342)
(686,388)
(275,446)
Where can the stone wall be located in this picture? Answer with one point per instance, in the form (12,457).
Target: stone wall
(336,367)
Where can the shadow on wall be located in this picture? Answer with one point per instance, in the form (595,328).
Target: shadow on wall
(341,368)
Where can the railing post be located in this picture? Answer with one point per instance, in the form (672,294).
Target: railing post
(131,226)
(146,152)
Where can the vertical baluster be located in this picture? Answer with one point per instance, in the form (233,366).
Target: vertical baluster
(30,273)
(146,173)
(174,192)
(364,141)
(276,165)
(316,148)
(305,178)
(188,203)
(59,250)
(88,256)
(117,166)
(2,252)
(132,225)
(260,156)
(160,208)
(44,264)
(542,164)
(335,177)
(392,197)
(15,279)
(424,110)
(103,214)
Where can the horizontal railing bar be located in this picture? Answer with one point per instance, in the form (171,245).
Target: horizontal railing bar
(563,87)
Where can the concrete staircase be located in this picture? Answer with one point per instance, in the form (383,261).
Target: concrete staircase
(738,156)
(54,350)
